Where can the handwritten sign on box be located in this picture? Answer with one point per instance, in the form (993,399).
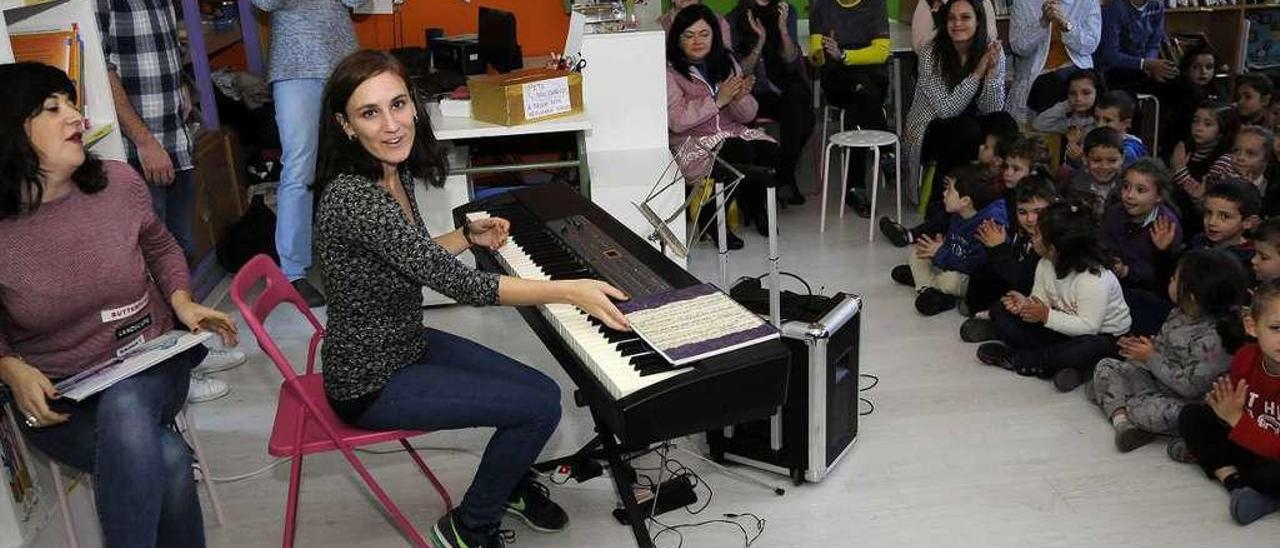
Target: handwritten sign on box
(546,98)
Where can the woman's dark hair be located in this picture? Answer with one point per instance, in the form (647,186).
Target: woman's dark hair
(27,86)
(341,155)
(1228,125)
(944,51)
(1072,231)
(1099,84)
(719,63)
(1215,281)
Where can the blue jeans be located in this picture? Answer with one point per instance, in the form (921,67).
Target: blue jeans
(124,437)
(175,206)
(461,384)
(298,106)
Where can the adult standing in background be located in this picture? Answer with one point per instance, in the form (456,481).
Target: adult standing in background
(764,43)
(308,38)
(849,42)
(924,27)
(1128,55)
(144,67)
(1051,39)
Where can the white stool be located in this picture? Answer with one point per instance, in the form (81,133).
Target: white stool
(186,427)
(862,138)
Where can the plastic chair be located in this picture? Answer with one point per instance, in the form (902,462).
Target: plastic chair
(868,139)
(304,422)
(186,427)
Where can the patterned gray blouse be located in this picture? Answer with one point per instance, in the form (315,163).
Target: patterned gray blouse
(375,263)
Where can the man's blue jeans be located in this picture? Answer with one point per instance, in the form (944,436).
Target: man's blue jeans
(175,205)
(141,467)
(461,384)
(298,106)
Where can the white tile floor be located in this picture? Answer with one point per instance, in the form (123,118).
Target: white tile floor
(956,454)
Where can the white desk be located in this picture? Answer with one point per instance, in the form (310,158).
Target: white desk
(453,129)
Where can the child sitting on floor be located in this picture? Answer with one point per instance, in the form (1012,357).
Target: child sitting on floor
(1253,99)
(1073,118)
(1235,435)
(939,266)
(1099,183)
(1011,259)
(1075,311)
(1127,225)
(1144,393)
(1202,158)
(1254,160)
(1266,245)
(1115,110)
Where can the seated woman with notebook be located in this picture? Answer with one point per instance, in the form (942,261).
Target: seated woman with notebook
(383,370)
(87,272)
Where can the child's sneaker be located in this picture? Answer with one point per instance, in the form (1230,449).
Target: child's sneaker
(530,502)
(902,274)
(449,533)
(1179,452)
(1248,505)
(931,302)
(1066,380)
(897,234)
(974,330)
(1128,435)
(995,354)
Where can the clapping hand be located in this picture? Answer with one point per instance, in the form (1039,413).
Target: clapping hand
(1178,159)
(748,83)
(1227,401)
(989,59)
(755,24)
(1160,70)
(927,246)
(830,46)
(991,233)
(1139,349)
(1034,311)
(729,90)
(1163,232)
(783,9)
(1013,302)
(1194,188)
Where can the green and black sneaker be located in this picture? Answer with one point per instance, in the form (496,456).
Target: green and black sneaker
(449,533)
(530,503)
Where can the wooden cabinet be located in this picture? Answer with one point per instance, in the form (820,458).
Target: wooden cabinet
(220,196)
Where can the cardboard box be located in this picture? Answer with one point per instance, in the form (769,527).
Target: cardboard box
(524,96)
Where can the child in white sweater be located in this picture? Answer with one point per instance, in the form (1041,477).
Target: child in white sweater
(1076,309)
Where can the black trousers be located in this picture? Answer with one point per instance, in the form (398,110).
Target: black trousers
(757,160)
(948,143)
(793,111)
(1206,437)
(860,91)
(1036,347)
(985,289)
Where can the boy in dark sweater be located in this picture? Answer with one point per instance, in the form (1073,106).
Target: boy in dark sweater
(939,266)
(1011,259)
(1231,211)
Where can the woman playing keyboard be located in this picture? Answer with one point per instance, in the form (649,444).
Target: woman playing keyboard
(382,368)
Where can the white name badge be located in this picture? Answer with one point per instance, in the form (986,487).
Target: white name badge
(114,314)
(546,98)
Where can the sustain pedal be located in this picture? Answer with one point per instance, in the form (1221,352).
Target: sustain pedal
(674,493)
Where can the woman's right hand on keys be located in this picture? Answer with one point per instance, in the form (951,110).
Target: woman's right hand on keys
(596,298)
(32,391)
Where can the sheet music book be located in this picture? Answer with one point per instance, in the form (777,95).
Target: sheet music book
(100,377)
(693,323)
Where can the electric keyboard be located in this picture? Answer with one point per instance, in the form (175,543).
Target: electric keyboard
(633,392)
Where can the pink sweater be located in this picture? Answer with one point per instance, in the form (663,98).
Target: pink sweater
(696,124)
(87,275)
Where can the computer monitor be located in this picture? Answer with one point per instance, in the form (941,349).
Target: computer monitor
(497,40)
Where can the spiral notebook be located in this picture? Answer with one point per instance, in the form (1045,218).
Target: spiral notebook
(100,377)
(694,323)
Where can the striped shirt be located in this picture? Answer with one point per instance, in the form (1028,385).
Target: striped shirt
(140,41)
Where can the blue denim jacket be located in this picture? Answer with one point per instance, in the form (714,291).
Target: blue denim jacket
(1129,34)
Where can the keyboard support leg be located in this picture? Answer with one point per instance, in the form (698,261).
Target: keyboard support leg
(622,481)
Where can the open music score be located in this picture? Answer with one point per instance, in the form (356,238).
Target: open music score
(693,323)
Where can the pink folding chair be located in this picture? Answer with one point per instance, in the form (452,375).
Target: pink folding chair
(304,422)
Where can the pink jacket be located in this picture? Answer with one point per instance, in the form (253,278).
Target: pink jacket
(696,125)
